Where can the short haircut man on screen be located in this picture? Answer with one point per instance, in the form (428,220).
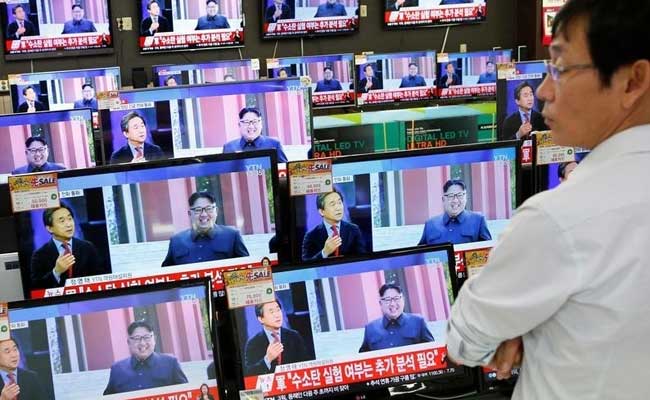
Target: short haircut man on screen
(277,11)
(251,138)
(396,5)
(37,153)
(328,83)
(331,8)
(205,240)
(78,24)
(456,224)
(16,382)
(333,236)
(450,78)
(413,79)
(395,328)
(88,99)
(212,19)
(144,369)
(274,344)
(21,26)
(63,256)
(369,81)
(489,76)
(31,104)
(155,22)
(136,149)
(526,119)
(171,81)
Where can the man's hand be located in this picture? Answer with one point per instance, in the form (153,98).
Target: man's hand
(331,244)
(524,129)
(399,2)
(9,392)
(63,263)
(278,12)
(21,30)
(508,356)
(154,26)
(138,159)
(273,351)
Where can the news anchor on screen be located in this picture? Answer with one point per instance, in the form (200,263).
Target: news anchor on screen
(332,237)
(37,153)
(88,99)
(250,131)
(15,382)
(273,345)
(489,76)
(78,24)
(30,104)
(369,81)
(395,328)
(522,122)
(21,26)
(205,393)
(450,78)
(144,368)
(279,10)
(328,83)
(413,79)
(212,20)
(171,81)
(134,129)
(331,8)
(396,5)
(155,22)
(205,240)
(63,256)
(455,225)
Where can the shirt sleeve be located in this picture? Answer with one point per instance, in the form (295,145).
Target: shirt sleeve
(530,274)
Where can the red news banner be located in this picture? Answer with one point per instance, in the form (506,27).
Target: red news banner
(324,99)
(463,91)
(187,40)
(398,95)
(419,16)
(321,25)
(182,395)
(35,44)
(377,371)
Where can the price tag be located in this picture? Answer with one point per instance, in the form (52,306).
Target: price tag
(34,191)
(108,100)
(249,287)
(310,177)
(272,63)
(5,334)
(255,64)
(550,153)
(254,394)
(506,71)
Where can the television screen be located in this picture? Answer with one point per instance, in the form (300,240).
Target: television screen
(332,77)
(131,225)
(210,72)
(423,13)
(349,327)
(168,25)
(456,194)
(141,343)
(397,77)
(46,141)
(472,74)
(291,18)
(208,119)
(34,29)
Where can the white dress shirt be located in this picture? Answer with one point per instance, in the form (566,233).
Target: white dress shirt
(571,275)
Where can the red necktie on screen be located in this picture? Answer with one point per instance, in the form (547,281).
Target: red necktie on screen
(335,232)
(12,380)
(276,339)
(66,251)
(139,151)
(526,118)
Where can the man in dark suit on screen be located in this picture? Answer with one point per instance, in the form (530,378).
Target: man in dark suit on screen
(134,129)
(333,237)
(155,22)
(63,256)
(525,120)
(21,26)
(16,382)
(274,345)
(277,11)
(396,5)
(30,104)
(212,19)
(369,81)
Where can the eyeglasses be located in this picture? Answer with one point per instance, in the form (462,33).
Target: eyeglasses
(457,196)
(556,71)
(250,122)
(200,210)
(37,150)
(143,338)
(389,300)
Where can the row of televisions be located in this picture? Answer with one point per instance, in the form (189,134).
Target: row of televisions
(124,221)
(34,28)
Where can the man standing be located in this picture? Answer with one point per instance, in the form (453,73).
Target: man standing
(37,153)
(144,369)
(78,24)
(328,83)
(456,225)
(134,129)
(331,8)
(274,345)
(205,240)
(88,100)
(212,20)
(395,328)
(396,5)
(565,289)
(63,256)
(489,76)
(16,382)
(250,131)
(369,81)
(277,11)
(522,122)
(412,79)
(333,237)
(30,104)
(21,26)
(155,22)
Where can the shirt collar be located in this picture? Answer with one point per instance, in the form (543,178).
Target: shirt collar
(328,227)
(31,168)
(269,334)
(460,218)
(255,143)
(132,147)
(5,375)
(144,363)
(522,113)
(632,140)
(58,244)
(211,234)
(387,322)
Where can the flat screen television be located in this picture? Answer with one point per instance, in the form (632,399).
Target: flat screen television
(129,225)
(395,77)
(208,72)
(36,29)
(428,13)
(139,343)
(167,25)
(467,75)
(307,18)
(46,141)
(185,121)
(342,328)
(331,77)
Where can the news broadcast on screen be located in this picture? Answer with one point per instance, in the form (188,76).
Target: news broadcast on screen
(468,75)
(426,13)
(306,18)
(209,72)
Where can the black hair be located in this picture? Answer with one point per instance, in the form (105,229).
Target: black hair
(247,110)
(33,139)
(259,308)
(489,62)
(150,2)
(387,286)
(201,195)
(27,88)
(521,87)
(328,67)
(13,340)
(211,1)
(139,324)
(228,76)
(124,123)
(85,85)
(451,183)
(75,5)
(617,32)
(412,63)
(48,214)
(561,169)
(320,199)
(170,77)
(365,67)
(13,11)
